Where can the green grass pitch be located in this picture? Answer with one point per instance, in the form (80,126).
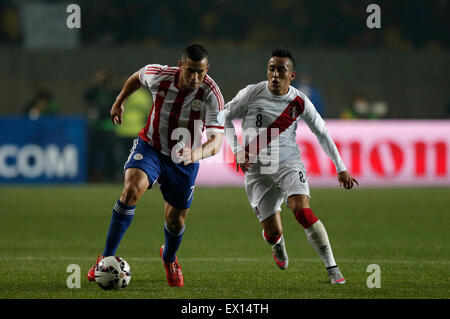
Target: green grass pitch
(404,231)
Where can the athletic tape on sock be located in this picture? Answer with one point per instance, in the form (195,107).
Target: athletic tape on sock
(305,217)
(277,239)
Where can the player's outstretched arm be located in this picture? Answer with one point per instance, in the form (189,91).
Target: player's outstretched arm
(210,148)
(131,85)
(346,180)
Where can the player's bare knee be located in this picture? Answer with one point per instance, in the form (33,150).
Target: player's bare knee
(175,226)
(175,218)
(130,194)
(175,223)
(297,202)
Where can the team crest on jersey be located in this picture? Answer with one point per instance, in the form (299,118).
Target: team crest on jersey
(138,156)
(162,94)
(195,105)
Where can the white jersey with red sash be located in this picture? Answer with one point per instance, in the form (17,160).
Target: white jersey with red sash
(274,119)
(174,108)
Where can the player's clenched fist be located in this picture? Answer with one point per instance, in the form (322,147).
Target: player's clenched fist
(186,155)
(117,113)
(242,160)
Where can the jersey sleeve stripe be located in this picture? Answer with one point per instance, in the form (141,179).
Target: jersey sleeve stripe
(212,85)
(161,73)
(169,72)
(153,72)
(152,69)
(215,126)
(215,90)
(157,69)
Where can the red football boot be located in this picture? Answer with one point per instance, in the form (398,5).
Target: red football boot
(173,271)
(91,272)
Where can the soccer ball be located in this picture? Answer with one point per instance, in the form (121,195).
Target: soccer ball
(112,273)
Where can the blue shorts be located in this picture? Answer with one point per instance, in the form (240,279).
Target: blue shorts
(176,181)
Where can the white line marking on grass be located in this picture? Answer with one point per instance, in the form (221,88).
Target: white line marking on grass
(239,259)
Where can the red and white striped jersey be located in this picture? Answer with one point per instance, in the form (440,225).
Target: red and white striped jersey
(274,120)
(175,112)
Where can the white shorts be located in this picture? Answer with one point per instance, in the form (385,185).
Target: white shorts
(266,192)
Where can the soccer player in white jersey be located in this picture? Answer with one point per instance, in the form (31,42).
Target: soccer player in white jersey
(270,157)
(168,148)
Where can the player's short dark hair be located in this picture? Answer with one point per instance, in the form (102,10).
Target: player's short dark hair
(284,53)
(195,52)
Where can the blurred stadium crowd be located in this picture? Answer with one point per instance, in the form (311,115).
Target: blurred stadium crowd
(407,24)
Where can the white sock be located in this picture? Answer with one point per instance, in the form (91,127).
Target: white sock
(318,237)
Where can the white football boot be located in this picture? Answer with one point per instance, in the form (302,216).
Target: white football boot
(335,275)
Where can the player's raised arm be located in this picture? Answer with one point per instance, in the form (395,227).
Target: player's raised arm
(317,125)
(132,84)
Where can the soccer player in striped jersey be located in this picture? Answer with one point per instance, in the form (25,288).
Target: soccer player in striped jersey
(168,148)
(270,157)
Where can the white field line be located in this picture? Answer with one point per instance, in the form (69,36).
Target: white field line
(154,259)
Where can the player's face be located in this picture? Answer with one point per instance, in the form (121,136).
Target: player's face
(280,73)
(192,73)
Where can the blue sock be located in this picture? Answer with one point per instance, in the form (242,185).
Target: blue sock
(171,244)
(122,216)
